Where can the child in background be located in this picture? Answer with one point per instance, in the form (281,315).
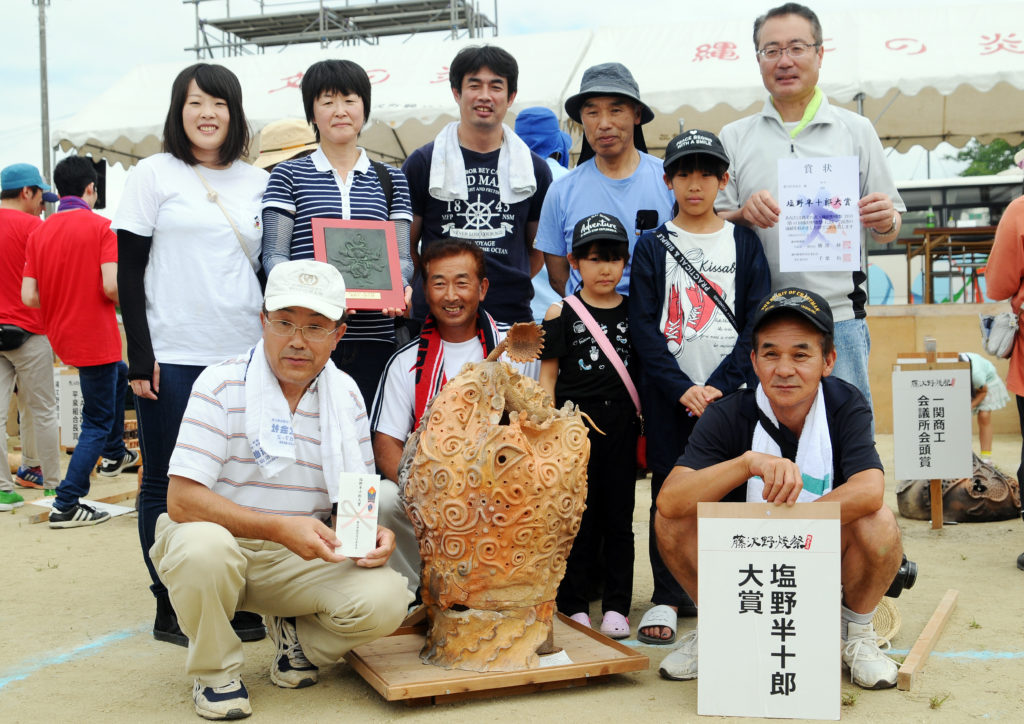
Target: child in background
(575,367)
(987,393)
(694,285)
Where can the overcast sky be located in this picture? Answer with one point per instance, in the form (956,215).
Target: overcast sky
(92,43)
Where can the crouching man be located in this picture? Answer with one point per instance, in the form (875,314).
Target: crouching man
(800,435)
(252,480)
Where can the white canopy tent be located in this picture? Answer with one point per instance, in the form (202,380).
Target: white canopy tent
(948,75)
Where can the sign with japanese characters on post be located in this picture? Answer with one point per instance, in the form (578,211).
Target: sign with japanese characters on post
(931,420)
(768,631)
(68,388)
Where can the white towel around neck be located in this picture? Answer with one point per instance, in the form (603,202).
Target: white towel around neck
(516,180)
(813,450)
(268,423)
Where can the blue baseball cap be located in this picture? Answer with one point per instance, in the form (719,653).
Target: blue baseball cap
(20,175)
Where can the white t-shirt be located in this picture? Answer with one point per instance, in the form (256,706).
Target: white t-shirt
(395,402)
(202,297)
(699,336)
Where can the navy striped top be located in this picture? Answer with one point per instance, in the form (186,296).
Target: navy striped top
(309,187)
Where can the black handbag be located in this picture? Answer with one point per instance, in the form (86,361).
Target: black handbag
(12,337)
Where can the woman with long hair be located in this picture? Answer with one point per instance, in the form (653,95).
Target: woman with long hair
(188,233)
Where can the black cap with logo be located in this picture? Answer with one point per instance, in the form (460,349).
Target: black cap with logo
(598,226)
(807,304)
(694,141)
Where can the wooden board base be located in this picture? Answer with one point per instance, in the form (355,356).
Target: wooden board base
(392,666)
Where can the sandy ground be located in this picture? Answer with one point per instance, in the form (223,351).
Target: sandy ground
(76,615)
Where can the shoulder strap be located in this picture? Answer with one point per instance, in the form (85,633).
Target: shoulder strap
(698,278)
(386,184)
(606,346)
(213,196)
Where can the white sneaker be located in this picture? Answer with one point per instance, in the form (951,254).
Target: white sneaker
(681,663)
(230,701)
(862,654)
(290,668)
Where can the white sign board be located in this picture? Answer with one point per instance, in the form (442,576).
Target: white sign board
(931,421)
(768,630)
(819,219)
(69,404)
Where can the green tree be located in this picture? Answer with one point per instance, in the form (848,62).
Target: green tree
(986,159)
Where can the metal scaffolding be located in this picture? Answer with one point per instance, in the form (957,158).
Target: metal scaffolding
(346,23)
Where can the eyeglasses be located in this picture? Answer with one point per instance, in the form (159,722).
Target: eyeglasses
(794,51)
(311,332)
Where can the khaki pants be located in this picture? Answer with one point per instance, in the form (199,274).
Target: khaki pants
(31,366)
(210,574)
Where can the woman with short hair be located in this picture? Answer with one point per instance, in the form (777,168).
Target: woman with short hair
(338,181)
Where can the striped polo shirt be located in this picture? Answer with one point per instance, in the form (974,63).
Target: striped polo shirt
(213,448)
(310,187)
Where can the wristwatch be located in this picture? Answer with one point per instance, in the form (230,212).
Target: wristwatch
(892,226)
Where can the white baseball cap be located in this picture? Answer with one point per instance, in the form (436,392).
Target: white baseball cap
(306,283)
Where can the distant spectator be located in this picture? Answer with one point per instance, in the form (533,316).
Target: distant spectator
(25,354)
(538,126)
(71,275)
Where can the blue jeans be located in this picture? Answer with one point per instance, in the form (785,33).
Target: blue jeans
(853,343)
(102,432)
(159,421)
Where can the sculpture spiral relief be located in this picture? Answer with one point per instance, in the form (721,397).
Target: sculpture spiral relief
(495,483)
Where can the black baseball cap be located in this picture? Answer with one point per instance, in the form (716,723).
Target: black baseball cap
(807,304)
(598,226)
(694,141)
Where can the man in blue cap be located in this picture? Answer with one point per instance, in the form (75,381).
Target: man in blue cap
(25,353)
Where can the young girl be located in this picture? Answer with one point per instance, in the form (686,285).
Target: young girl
(987,393)
(575,368)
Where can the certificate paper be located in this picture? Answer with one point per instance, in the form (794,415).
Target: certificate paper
(819,225)
(357,514)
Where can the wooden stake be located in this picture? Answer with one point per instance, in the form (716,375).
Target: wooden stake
(935,491)
(926,641)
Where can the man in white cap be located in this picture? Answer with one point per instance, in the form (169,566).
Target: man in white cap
(253,476)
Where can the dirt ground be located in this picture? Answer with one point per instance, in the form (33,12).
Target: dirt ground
(77,615)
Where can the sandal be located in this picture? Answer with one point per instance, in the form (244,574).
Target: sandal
(614,625)
(658,616)
(581,618)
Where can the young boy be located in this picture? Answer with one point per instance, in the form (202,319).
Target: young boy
(71,274)
(574,367)
(691,328)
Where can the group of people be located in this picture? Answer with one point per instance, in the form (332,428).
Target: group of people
(752,382)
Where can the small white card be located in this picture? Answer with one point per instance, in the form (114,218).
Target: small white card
(357,514)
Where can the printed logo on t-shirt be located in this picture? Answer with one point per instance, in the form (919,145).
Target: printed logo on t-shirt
(483,217)
(696,332)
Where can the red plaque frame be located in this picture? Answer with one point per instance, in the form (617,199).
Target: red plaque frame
(359,261)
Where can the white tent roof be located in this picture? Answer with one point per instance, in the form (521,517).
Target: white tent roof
(948,75)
